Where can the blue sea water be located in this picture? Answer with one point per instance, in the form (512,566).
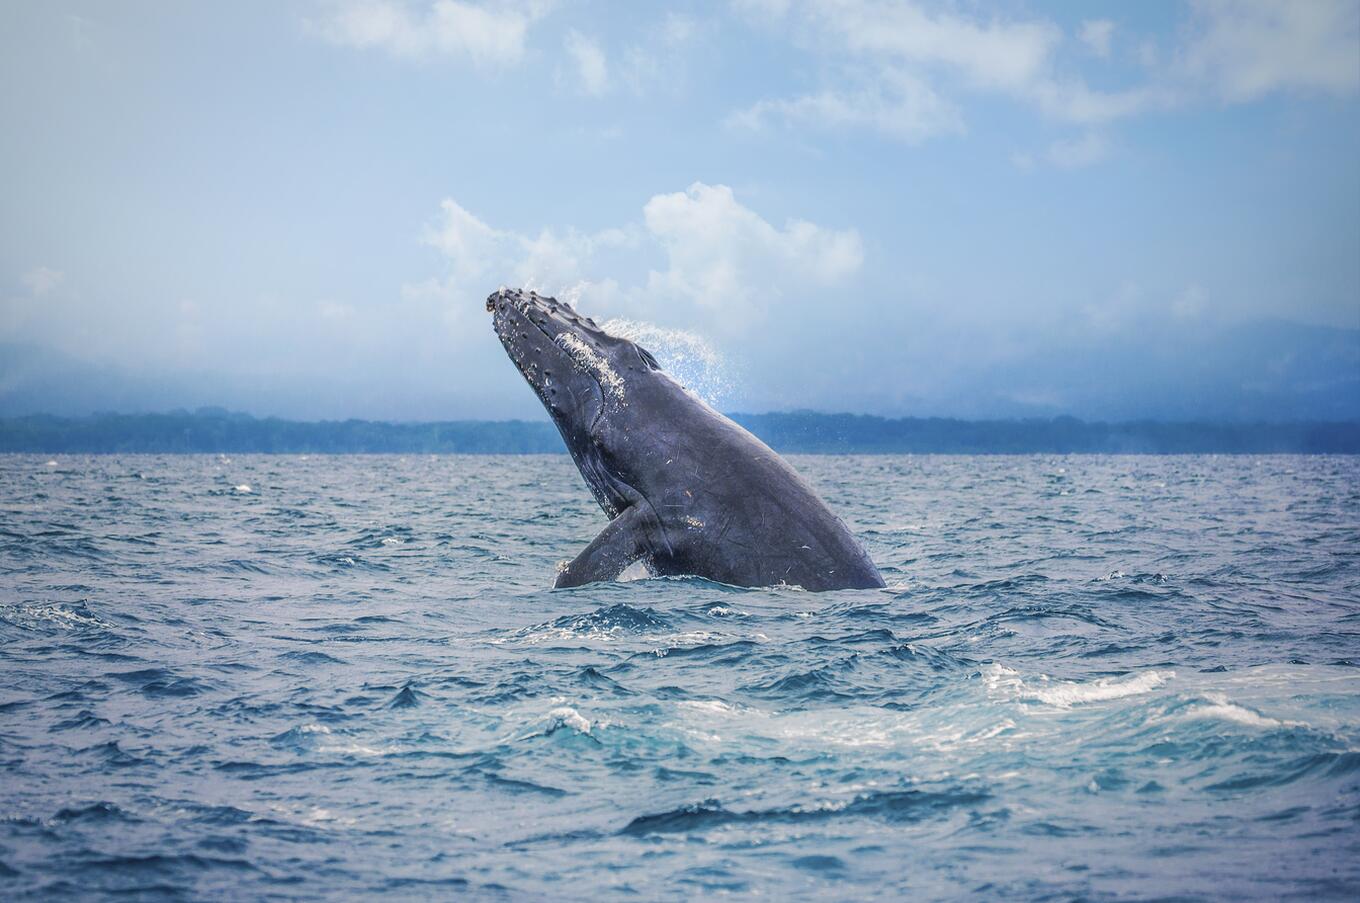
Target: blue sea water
(302,677)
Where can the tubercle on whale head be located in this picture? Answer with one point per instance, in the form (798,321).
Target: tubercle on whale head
(530,302)
(611,361)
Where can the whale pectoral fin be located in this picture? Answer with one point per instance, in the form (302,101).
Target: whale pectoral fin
(618,545)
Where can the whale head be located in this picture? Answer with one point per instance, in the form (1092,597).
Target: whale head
(583,376)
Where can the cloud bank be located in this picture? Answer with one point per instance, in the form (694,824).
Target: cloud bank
(719,264)
(487,35)
(903,68)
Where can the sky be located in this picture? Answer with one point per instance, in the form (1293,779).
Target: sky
(1104,209)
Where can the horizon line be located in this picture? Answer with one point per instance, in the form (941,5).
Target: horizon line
(215,411)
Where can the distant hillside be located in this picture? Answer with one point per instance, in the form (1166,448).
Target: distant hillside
(215,430)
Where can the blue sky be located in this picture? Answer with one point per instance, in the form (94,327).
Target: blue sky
(1103,209)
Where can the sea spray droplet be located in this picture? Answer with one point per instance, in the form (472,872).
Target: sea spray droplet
(686,356)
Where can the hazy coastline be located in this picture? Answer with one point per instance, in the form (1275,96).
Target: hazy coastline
(211,430)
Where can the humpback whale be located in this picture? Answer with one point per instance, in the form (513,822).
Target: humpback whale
(687,491)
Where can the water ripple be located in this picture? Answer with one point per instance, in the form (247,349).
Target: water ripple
(352,680)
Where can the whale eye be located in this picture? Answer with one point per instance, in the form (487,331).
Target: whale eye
(646,357)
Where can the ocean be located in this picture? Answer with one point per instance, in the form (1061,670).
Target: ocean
(318,677)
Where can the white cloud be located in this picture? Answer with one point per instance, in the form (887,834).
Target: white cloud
(1073,101)
(911,55)
(335,311)
(677,28)
(1235,50)
(1065,153)
(469,244)
(592,70)
(1117,312)
(480,257)
(556,262)
(761,9)
(993,54)
(1189,303)
(1148,54)
(900,106)
(724,264)
(1096,34)
(42,280)
(1089,148)
(484,35)
(1017,59)
(724,256)
(662,55)
(1249,48)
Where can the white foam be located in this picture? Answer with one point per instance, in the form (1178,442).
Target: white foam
(712,707)
(355,749)
(310,815)
(682,640)
(569,717)
(51,613)
(635,571)
(244,488)
(1065,694)
(1235,713)
(1218,707)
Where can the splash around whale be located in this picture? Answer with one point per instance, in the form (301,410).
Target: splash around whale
(687,491)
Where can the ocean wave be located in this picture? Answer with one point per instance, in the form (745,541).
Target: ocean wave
(52,616)
(357,680)
(1065,694)
(607,623)
(892,806)
(1216,706)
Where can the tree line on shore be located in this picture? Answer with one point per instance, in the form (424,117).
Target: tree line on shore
(211,430)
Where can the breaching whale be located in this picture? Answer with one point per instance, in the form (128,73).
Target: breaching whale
(688,491)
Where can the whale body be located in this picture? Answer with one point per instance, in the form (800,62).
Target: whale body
(687,490)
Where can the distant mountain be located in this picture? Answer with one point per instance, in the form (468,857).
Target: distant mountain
(215,430)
